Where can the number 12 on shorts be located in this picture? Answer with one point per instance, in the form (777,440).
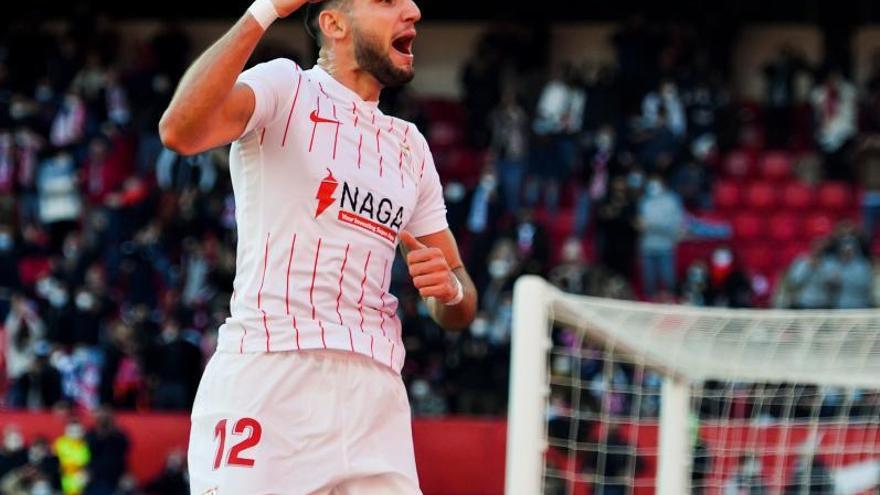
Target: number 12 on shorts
(250,429)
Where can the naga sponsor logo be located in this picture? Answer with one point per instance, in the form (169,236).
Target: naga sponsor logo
(360,208)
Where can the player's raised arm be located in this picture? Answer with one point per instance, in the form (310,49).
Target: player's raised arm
(439,275)
(209,109)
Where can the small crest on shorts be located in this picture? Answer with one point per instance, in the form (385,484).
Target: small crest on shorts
(211,491)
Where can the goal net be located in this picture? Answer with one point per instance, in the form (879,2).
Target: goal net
(616,397)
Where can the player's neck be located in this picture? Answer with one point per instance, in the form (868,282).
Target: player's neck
(353,77)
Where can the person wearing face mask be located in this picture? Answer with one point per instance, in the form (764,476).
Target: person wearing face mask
(40,457)
(660,220)
(12,453)
(9,277)
(74,456)
(24,328)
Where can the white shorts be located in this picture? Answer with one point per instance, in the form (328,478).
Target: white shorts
(301,423)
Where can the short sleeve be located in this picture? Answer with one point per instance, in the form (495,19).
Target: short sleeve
(429,216)
(271,84)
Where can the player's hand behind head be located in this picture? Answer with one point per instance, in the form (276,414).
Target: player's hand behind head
(287,7)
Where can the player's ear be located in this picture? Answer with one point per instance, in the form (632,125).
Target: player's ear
(333,24)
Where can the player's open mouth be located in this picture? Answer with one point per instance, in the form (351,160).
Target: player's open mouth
(403,44)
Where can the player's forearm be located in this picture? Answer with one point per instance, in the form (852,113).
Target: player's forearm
(461,315)
(207,84)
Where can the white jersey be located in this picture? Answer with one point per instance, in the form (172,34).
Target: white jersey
(324,182)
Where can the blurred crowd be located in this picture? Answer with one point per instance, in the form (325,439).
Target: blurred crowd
(81,460)
(117,256)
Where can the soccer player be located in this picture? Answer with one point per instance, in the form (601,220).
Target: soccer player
(304,394)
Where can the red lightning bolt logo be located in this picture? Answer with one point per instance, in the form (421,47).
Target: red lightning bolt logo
(325,193)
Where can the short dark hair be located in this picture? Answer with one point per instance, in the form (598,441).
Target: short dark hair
(313,12)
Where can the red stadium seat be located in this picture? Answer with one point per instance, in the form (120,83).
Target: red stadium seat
(818,225)
(784,227)
(747,227)
(759,258)
(835,197)
(738,164)
(760,196)
(787,253)
(727,195)
(797,196)
(776,166)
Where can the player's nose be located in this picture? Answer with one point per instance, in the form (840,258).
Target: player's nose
(411,12)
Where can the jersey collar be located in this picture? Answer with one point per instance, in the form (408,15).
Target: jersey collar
(324,77)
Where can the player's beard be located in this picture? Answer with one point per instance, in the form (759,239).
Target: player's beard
(370,57)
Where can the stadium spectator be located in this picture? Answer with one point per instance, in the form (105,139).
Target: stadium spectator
(853,278)
(616,229)
(809,278)
(665,101)
(835,108)
(40,387)
(24,330)
(868,163)
(660,222)
(13,453)
(41,457)
(174,366)
(74,456)
(509,128)
(557,123)
(781,78)
(172,480)
(747,480)
(109,447)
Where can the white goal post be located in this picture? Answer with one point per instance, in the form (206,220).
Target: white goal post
(611,397)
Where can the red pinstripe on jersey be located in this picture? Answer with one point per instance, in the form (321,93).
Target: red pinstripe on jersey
(360,146)
(382,299)
(314,127)
(260,292)
(289,264)
(339,296)
(379,150)
(361,300)
(400,166)
(323,339)
(292,106)
(314,274)
(336,139)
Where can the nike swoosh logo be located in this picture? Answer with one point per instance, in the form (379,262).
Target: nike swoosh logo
(321,120)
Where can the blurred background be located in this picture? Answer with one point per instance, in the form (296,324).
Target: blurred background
(724,156)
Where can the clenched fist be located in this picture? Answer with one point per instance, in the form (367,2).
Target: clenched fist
(430,271)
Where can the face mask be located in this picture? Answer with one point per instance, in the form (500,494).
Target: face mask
(5,242)
(13,441)
(85,301)
(18,111)
(604,142)
(654,188)
(43,93)
(635,180)
(41,488)
(479,328)
(58,298)
(419,389)
(74,431)
(499,268)
(36,454)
